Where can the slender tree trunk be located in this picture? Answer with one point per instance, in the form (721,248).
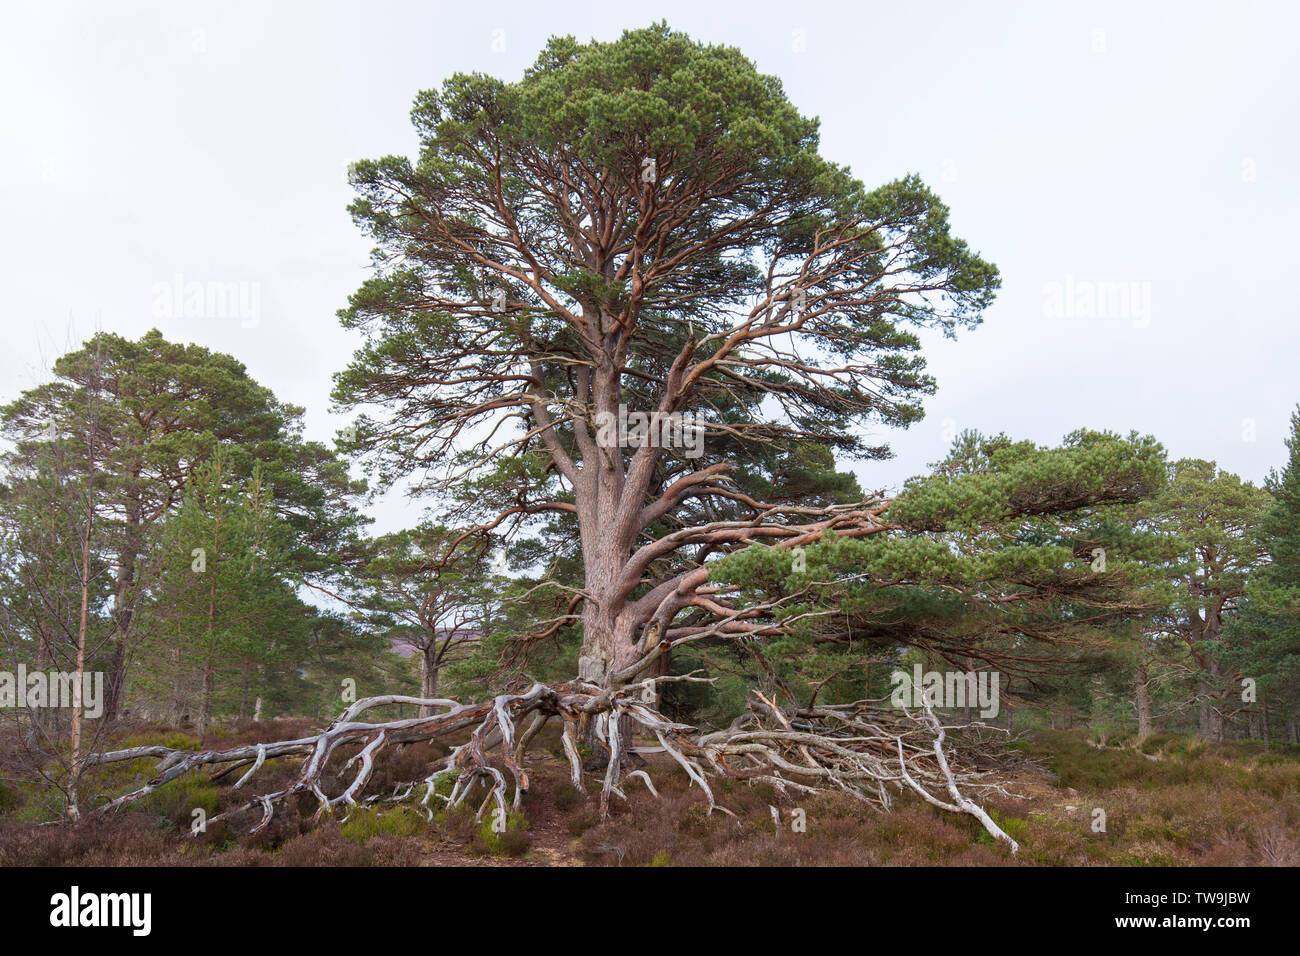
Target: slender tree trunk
(966,699)
(39,724)
(74,776)
(1211,713)
(1203,710)
(1143,693)
(178,686)
(124,602)
(660,669)
(429,670)
(205,707)
(209,667)
(74,781)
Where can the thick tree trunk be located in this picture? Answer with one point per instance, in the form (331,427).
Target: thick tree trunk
(607,648)
(597,646)
(1211,716)
(609,518)
(1210,719)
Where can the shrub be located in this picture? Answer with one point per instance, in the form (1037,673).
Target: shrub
(1015,827)
(10,799)
(580,824)
(566,796)
(401,821)
(512,841)
(1155,743)
(176,801)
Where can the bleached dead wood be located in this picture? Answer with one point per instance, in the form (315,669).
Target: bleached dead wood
(863,749)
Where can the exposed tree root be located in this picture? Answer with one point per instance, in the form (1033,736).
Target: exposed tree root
(863,749)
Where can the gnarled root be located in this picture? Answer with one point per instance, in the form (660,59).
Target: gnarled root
(863,749)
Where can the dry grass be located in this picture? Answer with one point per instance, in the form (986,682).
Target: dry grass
(1193,805)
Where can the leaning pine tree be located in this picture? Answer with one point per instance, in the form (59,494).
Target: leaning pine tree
(639,233)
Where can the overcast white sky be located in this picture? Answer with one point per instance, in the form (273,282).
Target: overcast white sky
(1082,147)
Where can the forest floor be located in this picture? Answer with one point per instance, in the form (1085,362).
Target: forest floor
(1173,802)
